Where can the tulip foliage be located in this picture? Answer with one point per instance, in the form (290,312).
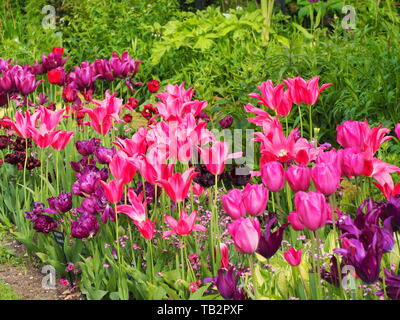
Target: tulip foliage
(154,203)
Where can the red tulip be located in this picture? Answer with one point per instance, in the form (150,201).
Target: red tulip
(56,76)
(224,255)
(153,86)
(273,176)
(246,234)
(293,257)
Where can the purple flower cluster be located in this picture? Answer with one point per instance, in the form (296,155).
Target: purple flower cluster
(60,204)
(365,240)
(88,186)
(83,77)
(18,79)
(41,223)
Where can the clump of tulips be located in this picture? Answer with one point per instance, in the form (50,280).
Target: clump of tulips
(147,209)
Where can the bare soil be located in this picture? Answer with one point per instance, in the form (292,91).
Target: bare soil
(25,278)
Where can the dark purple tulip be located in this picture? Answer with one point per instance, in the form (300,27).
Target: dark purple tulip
(392,209)
(44,224)
(89,205)
(63,202)
(52,61)
(104,155)
(149,191)
(203,116)
(78,166)
(366,262)
(87,147)
(332,276)
(86,226)
(108,213)
(87,183)
(271,241)
(238,176)
(227,285)
(226,122)
(392,283)
(205,178)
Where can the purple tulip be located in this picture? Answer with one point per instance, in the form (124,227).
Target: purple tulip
(87,147)
(227,285)
(103,69)
(84,76)
(271,241)
(392,283)
(104,155)
(392,210)
(226,122)
(86,226)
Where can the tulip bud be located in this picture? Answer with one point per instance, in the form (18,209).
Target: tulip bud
(273,176)
(293,257)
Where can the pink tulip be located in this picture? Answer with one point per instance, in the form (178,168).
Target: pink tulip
(113,190)
(293,257)
(246,234)
(274,98)
(50,119)
(177,185)
(232,203)
(197,189)
(61,139)
(42,137)
(360,137)
(294,221)
(397,131)
(135,145)
(312,209)
(224,256)
(353,163)
(325,177)
(23,124)
(333,157)
(122,168)
(215,157)
(136,211)
(146,228)
(184,226)
(273,176)
(298,177)
(263,117)
(103,115)
(302,91)
(255,199)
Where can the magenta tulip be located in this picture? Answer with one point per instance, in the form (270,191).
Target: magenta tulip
(312,209)
(326,178)
(233,205)
(298,178)
(293,257)
(246,234)
(352,163)
(273,176)
(255,199)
